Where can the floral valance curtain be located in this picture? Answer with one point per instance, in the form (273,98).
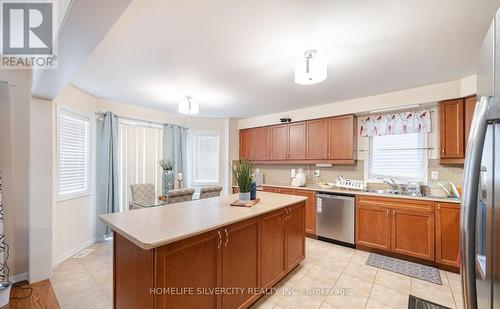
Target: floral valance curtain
(396,123)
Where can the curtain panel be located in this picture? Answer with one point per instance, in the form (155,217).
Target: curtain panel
(108,187)
(175,139)
(396,123)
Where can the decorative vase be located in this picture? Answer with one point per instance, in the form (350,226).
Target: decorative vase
(167,181)
(245,196)
(253,191)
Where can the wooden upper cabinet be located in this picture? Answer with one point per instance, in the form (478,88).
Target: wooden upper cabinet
(342,138)
(297,141)
(447,233)
(317,140)
(470,106)
(279,142)
(451,122)
(246,144)
(261,145)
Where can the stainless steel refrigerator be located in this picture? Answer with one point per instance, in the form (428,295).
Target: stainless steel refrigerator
(480,213)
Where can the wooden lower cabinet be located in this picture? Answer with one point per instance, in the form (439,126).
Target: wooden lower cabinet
(251,254)
(310,210)
(270,189)
(287,191)
(373,227)
(240,262)
(447,233)
(412,233)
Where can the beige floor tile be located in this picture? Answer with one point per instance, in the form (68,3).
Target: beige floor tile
(371,304)
(384,295)
(393,280)
(360,257)
(324,274)
(435,293)
(300,301)
(364,272)
(354,285)
(350,301)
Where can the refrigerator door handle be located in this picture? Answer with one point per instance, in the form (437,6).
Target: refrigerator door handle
(472,168)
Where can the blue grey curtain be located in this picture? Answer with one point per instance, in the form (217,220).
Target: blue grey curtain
(108,196)
(175,148)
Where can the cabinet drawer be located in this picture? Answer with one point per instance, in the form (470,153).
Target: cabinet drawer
(397,203)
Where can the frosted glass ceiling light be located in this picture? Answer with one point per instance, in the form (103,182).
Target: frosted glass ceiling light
(310,70)
(189,107)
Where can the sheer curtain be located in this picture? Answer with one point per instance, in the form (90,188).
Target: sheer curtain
(175,139)
(141,147)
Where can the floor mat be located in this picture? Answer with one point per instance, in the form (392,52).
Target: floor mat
(415,270)
(419,303)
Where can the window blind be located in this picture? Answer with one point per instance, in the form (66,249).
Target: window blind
(402,156)
(73,157)
(205,157)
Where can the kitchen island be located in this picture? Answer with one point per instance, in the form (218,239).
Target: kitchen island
(205,253)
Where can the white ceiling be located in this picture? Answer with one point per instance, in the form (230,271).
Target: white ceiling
(236,58)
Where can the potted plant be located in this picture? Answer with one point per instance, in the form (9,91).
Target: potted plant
(167,177)
(243,174)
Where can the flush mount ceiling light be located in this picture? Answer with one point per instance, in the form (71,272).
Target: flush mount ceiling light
(189,107)
(310,70)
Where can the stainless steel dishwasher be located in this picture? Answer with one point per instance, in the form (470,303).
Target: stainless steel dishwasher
(335,218)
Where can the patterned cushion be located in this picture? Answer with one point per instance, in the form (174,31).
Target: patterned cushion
(181,195)
(212,191)
(143,193)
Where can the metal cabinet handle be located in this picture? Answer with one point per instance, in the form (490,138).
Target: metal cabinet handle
(227,238)
(220,239)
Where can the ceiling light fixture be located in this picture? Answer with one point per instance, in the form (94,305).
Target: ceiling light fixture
(189,107)
(310,70)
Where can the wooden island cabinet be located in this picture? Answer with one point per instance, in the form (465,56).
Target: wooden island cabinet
(196,271)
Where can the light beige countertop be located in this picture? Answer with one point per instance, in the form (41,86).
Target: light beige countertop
(358,192)
(153,227)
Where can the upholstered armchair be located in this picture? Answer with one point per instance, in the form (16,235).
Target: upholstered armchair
(211,191)
(143,193)
(181,195)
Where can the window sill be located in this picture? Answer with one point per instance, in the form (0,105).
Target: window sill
(65,198)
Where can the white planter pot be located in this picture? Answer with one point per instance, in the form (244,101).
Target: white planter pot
(245,196)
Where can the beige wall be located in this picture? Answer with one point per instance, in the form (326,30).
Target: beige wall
(14,158)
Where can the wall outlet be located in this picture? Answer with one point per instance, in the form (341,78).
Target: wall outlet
(316,173)
(434,175)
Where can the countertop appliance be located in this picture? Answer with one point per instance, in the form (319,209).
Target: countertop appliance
(335,218)
(480,213)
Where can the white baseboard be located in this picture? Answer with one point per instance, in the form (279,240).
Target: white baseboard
(19,277)
(75,250)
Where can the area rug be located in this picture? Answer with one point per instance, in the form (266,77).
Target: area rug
(418,271)
(419,303)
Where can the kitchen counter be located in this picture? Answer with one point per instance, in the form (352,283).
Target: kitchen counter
(357,192)
(154,227)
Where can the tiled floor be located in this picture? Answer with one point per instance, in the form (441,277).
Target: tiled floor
(330,277)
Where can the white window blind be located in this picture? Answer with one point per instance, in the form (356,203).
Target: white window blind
(402,157)
(205,155)
(73,157)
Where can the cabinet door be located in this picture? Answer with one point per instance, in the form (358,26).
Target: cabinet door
(373,227)
(451,122)
(270,189)
(188,263)
(413,233)
(240,262)
(470,105)
(317,139)
(295,235)
(246,144)
(310,210)
(287,191)
(297,141)
(279,142)
(274,264)
(261,144)
(342,138)
(447,233)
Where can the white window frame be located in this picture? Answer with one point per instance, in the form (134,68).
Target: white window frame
(88,191)
(400,180)
(192,135)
